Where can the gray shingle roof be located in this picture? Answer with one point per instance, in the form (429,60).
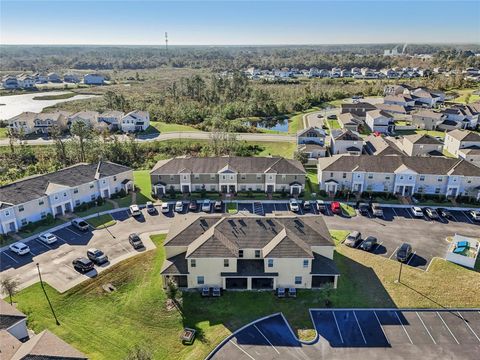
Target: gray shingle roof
(35,187)
(464,135)
(9,315)
(388,164)
(422,139)
(212,165)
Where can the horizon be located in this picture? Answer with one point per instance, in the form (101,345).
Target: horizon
(238,23)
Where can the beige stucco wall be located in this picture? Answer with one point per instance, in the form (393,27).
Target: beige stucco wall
(287,269)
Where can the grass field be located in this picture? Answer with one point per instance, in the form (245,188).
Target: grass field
(106,206)
(333,124)
(3,133)
(466,94)
(232,208)
(135,314)
(55,97)
(295,123)
(428,132)
(165,127)
(142,181)
(284,149)
(348,210)
(102,221)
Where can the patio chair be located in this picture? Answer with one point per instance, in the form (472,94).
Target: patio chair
(216,292)
(463,244)
(292,292)
(205,291)
(459,249)
(281,292)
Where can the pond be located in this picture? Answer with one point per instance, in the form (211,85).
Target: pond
(280,125)
(12,105)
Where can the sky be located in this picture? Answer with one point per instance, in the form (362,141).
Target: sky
(111,22)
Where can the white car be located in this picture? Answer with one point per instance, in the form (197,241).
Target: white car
(206,205)
(475,214)
(294,205)
(48,238)
(178,206)
(165,208)
(135,210)
(19,248)
(417,211)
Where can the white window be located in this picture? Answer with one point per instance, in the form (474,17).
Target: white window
(259,176)
(257,253)
(270,263)
(92,197)
(43,214)
(40,202)
(226,263)
(171,177)
(196,176)
(212,176)
(75,191)
(21,208)
(24,222)
(298,280)
(305,263)
(193,263)
(91,185)
(243,176)
(200,280)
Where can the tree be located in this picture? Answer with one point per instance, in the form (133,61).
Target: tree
(301,156)
(83,132)
(9,286)
(139,353)
(60,149)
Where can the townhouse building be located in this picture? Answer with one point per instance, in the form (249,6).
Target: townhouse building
(427,119)
(42,123)
(421,145)
(466,115)
(346,142)
(228,175)
(380,121)
(93,79)
(461,139)
(32,199)
(399,175)
(250,253)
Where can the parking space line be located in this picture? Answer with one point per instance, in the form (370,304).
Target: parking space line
(411,257)
(42,243)
(381,327)
(4,253)
(401,323)
(246,353)
(453,216)
(468,325)
(394,251)
(31,252)
(393,209)
(450,331)
(468,218)
(428,331)
(408,213)
(73,232)
(261,333)
(338,327)
(361,331)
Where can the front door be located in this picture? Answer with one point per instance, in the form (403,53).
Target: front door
(269,188)
(295,190)
(12,226)
(58,210)
(224,189)
(68,207)
(453,192)
(185,189)
(105,193)
(231,189)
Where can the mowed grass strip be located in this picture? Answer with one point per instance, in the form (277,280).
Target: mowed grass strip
(135,314)
(102,221)
(143,182)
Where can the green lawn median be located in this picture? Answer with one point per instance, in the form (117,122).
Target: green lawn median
(348,210)
(102,221)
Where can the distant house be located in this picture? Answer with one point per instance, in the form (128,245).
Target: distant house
(426,97)
(359,109)
(381,145)
(44,122)
(94,79)
(23,123)
(466,115)
(346,142)
(427,119)
(349,121)
(422,145)
(71,78)
(54,78)
(461,139)
(393,109)
(313,151)
(112,118)
(135,121)
(311,135)
(9,82)
(381,121)
(87,117)
(402,100)
(471,155)
(26,81)
(396,89)
(40,78)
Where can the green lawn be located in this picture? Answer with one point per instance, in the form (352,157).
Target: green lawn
(135,314)
(466,94)
(55,97)
(40,229)
(311,185)
(166,127)
(96,209)
(295,123)
(418,131)
(3,133)
(232,208)
(102,221)
(141,179)
(284,149)
(348,210)
(333,124)
(125,201)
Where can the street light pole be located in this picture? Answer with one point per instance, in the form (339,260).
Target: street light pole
(48,300)
(399,273)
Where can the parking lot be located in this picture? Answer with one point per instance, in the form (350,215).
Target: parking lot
(55,260)
(361,334)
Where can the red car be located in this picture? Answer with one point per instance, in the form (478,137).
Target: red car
(335,207)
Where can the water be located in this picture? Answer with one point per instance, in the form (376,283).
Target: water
(13,105)
(274,124)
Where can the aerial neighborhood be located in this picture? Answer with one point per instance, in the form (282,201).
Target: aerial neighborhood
(275,197)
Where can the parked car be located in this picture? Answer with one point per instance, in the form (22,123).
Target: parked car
(206,205)
(135,241)
(431,213)
(319,116)
(150,208)
(475,214)
(353,239)
(164,208)
(179,206)
(364,209)
(331,117)
(417,211)
(97,256)
(193,205)
(336,208)
(48,238)
(82,264)
(80,224)
(404,252)
(368,244)
(307,205)
(19,248)
(377,210)
(135,210)
(293,205)
(445,213)
(321,206)
(218,206)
